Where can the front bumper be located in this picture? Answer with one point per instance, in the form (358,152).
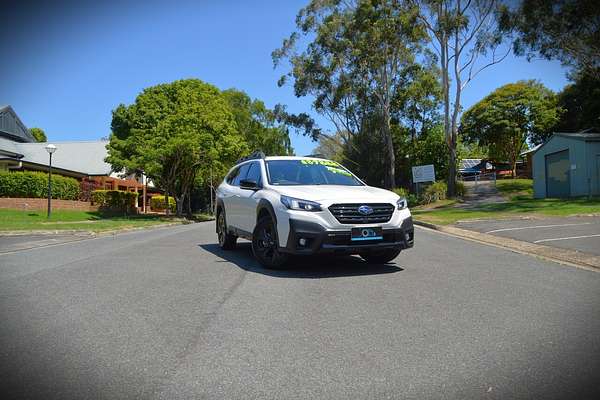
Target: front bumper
(320,240)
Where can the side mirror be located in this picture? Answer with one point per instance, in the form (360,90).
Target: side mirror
(249,184)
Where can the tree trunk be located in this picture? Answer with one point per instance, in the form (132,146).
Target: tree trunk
(451,181)
(167,208)
(447,125)
(452,167)
(189,204)
(513,162)
(390,176)
(179,205)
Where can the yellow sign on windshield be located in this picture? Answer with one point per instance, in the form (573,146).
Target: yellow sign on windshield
(336,170)
(331,166)
(320,162)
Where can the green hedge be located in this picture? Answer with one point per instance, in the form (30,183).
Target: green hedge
(114,200)
(35,184)
(158,203)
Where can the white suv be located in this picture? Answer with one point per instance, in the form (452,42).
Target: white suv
(309,205)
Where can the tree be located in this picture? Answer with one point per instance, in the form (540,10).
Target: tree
(172,133)
(566,30)
(257,124)
(511,116)
(417,106)
(353,63)
(38,134)
(581,103)
(331,147)
(461,32)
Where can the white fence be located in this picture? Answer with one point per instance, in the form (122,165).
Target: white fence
(490,176)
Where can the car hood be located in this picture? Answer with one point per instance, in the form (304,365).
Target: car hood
(339,194)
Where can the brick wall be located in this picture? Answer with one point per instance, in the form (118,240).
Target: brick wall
(42,204)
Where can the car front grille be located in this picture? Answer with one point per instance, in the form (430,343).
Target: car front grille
(348,213)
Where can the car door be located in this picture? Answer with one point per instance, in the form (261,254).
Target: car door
(232,200)
(228,191)
(249,198)
(233,205)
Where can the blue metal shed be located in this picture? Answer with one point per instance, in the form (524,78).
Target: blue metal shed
(567,165)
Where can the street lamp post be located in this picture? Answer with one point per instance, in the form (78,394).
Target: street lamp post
(50,148)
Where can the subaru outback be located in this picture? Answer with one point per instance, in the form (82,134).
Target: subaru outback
(309,205)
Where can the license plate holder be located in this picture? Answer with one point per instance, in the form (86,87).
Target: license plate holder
(366,233)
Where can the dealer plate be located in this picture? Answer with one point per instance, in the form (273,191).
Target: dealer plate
(372,233)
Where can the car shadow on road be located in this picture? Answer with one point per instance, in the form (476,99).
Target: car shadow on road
(307,267)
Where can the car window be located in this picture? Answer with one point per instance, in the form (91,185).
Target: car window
(241,175)
(232,175)
(309,172)
(254,173)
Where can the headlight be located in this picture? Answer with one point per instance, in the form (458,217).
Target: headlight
(402,203)
(297,204)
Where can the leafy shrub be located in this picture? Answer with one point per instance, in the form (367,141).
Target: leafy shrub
(35,184)
(158,203)
(411,198)
(119,201)
(402,192)
(434,192)
(87,186)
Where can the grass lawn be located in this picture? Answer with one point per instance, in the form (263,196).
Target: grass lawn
(20,220)
(520,202)
(515,187)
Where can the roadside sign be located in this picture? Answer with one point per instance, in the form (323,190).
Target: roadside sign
(423,173)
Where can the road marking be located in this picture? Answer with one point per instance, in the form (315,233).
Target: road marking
(537,226)
(566,238)
(513,249)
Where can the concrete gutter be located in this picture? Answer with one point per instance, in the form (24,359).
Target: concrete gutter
(563,256)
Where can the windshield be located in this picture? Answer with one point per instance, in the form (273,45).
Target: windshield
(309,172)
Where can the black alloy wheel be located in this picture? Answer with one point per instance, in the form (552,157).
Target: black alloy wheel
(265,246)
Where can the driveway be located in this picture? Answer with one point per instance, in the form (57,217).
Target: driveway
(573,233)
(165,314)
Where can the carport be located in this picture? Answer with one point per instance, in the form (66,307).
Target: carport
(567,165)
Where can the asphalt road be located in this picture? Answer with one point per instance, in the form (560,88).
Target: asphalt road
(27,241)
(574,233)
(164,314)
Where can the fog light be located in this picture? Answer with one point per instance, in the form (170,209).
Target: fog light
(302,242)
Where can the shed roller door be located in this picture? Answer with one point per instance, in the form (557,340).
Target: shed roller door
(558,183)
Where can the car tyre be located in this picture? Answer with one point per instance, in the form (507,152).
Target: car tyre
(265,245)
(227,241)
(380,256)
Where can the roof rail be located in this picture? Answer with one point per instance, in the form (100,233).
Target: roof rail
(318,155)
(257,155)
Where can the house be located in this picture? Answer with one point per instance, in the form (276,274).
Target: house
(474,167)
(527,155)
(567,165)
(82,160)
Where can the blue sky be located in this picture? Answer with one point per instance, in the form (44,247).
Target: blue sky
(70,65)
